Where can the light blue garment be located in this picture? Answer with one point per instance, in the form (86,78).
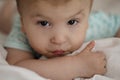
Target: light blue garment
(16,38)
(101,26)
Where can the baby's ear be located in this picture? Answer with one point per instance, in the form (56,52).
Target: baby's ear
(118,33)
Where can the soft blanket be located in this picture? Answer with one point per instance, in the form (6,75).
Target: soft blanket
(110,46)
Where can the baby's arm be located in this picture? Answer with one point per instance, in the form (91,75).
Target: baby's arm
(85,64)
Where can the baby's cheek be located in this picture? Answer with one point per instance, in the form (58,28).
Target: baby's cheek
(78,44)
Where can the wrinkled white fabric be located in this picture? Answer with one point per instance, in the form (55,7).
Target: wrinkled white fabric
(3,55)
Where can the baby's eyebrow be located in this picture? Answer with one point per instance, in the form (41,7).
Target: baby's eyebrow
(42,16)
(79,12)
(38,15)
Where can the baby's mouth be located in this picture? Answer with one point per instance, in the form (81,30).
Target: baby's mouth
(59,52)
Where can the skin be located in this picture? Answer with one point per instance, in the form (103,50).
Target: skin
(63,32)
(58,33)
(7,11)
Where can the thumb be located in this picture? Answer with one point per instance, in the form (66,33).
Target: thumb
(89,47)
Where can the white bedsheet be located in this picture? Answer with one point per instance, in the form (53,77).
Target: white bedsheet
(110,46)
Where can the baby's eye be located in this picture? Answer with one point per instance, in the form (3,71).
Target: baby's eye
(43,23)
(72,22)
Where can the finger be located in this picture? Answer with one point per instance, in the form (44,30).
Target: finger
(103,71)
(89,47)
(101,54)
(105,63)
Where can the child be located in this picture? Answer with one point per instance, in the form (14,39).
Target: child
(54,28)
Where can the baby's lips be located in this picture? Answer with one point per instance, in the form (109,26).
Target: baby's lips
(58,52)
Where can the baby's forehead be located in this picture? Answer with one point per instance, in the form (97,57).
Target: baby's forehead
(52,2)
(24,5)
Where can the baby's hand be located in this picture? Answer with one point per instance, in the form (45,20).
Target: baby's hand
(92,62)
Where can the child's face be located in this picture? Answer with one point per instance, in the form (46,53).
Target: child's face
(56,30)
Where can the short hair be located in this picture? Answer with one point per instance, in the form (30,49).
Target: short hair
(21,4)
(18,3)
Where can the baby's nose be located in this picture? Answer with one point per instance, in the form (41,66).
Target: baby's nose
(58,39)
